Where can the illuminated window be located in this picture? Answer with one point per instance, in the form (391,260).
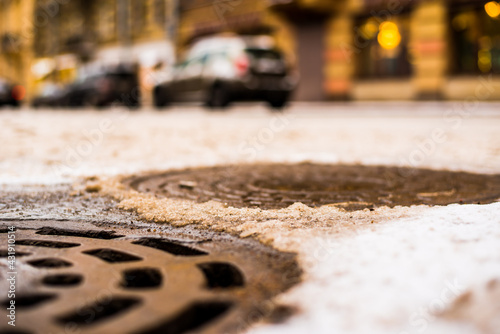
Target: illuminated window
(381,47)
(476,38)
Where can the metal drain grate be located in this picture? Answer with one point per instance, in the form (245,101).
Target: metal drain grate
(71,280)
(276,186)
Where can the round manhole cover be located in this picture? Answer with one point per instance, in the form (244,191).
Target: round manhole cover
(74,280)
(275,186)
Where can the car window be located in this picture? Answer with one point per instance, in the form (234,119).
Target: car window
(267,61)
(265,54)
(48,90)
(122,76)
(194,66)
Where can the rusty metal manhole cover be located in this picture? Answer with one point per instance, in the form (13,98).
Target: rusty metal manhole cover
(81,280)
(275,186)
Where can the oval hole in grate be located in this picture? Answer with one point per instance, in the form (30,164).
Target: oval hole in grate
(106,235)
(5,253)
(192,318)
(28,301)
(50,263)
(47,243)
(142,278)
(63,280)
(97,312)
(112,256)
(169,247)
(221,275)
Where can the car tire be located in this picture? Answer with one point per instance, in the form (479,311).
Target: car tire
(92,101)
(219,97)
(160,98)
(134,105)
(15,104)
(278,101)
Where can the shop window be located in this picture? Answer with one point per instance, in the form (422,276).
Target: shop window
(381,48)
(476,38)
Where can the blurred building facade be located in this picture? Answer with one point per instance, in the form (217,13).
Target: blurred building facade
(63,37)
(343,49)
(368,49)
(16,40)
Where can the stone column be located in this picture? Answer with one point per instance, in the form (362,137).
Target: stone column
(428,47)
(339,55)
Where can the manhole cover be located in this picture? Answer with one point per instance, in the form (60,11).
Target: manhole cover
(80,280)
(275,186)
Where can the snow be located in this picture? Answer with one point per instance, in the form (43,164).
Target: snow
(359,277)
(379,280)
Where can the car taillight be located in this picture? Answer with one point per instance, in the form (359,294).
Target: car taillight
(242,64)
(18,92)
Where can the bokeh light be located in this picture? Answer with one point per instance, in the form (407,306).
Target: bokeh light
(369,29)
(492,8)
(460,22)
(389,37)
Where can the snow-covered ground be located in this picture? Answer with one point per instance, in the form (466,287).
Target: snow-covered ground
(414,270)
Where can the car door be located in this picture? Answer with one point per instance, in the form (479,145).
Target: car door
(176,85)
(192,79)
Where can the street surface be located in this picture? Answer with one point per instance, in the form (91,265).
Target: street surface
(396,270)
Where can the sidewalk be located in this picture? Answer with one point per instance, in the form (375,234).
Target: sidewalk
(401,270)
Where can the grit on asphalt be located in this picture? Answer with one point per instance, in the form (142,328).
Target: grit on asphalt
(397,269)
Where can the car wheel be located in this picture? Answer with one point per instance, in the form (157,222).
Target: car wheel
(91,100)
(278,101)
(160,98)
(133,105)
(219,97)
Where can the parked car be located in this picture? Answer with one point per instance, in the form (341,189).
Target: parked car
(220,70)
(51,96)
(104,87)
(9,95)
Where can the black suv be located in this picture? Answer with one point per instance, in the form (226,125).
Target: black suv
(104,88)
(220,70)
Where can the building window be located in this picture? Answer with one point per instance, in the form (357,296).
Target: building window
(476,38)
(381,48)
(159,12)
(107,20)
(139,13)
